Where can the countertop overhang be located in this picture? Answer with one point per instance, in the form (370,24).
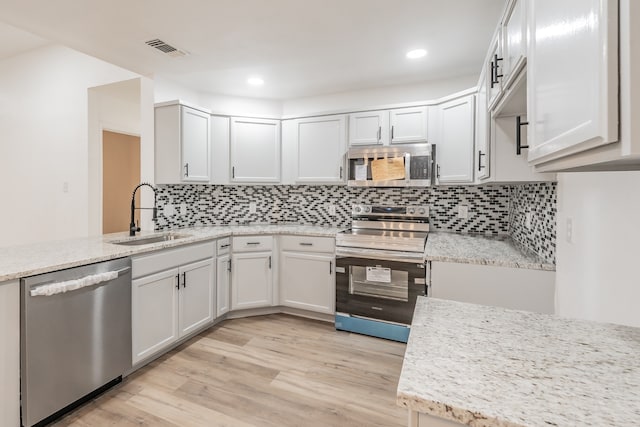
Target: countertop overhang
(488,366)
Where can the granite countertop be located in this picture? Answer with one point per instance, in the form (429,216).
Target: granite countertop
(489,366)
(481,249)
(37,258)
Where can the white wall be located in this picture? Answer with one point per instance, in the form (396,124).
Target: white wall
(368,98)
(44,142)
(118,107)
(598,276)
(166,90)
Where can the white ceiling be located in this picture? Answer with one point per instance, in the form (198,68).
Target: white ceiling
(299,47)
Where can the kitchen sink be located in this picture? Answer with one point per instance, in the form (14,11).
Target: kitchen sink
(151,239)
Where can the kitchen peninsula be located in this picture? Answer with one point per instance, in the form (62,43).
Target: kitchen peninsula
(488,366)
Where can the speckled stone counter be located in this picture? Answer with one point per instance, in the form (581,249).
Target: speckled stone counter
(479,249)
(489,366)
(27,260)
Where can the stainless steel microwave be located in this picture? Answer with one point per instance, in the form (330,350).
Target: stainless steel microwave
(392,166)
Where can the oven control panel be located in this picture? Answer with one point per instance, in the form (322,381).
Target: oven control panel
(395,211)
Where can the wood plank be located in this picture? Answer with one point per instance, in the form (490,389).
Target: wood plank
(273,370)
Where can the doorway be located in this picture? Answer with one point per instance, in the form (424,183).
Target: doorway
(120,175)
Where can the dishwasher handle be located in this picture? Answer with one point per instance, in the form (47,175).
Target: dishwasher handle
(56,288)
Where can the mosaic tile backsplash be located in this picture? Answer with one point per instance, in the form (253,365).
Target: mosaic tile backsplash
(538,200)
(492,208)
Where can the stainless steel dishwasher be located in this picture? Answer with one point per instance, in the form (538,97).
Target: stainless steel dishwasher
(75,337)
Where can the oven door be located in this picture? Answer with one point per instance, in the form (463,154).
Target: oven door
(376,289)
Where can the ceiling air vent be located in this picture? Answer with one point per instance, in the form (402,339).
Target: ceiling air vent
(166,48)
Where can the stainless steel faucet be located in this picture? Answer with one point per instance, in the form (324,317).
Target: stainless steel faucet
(133,227)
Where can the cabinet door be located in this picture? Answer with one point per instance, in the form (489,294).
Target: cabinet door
(195,145)
(320,148)
(154,313)
(408,125)
(369,128)
(482,163)
(572,77)
(455,151)
(196,296)
(494,69)
(10,354)
(514,32)
(307,281)
(251,280)
(255,150)
(223,282)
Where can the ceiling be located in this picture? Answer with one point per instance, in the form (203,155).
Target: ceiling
(299,47)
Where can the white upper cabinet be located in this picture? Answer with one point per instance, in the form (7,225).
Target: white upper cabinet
(455,148)
(182,148)
(319,147)
(408,125)
(514,38)
(255,150)
(572,70)
(482,163)
(369,128)
(494,71)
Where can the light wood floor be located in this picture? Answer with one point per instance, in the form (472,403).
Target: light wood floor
(274,370)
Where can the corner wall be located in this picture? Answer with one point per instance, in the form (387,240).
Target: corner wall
(597,274)
(44,142)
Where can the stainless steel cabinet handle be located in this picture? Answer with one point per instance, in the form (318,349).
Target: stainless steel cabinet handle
(178,281)
(379,133)
(330,268)
(269,262)
(224,246)
(253,243)
(229,267)
(392,127)
(438,171)
(340,172)
(233,172)
(184,280)
(186,169)
(306,244)
(480,154)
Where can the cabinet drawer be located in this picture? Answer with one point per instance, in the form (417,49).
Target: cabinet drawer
(170,258)
(307,244)
(252,243)
(223,246)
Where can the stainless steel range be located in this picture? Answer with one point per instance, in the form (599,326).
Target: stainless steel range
(380,269)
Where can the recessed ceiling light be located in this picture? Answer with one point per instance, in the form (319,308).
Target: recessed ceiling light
(255,81)
(416,53)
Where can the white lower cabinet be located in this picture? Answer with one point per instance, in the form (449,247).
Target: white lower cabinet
(172,303)
(513,288)
(252,266)
(307,281)
(10,353)
(223,277)
(252,280)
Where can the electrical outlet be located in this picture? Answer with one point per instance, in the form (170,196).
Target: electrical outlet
(252,207)
(569,230)
(183,209)
(463,211)
(169,210)
(65,187)
(332,209)
(527,220)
